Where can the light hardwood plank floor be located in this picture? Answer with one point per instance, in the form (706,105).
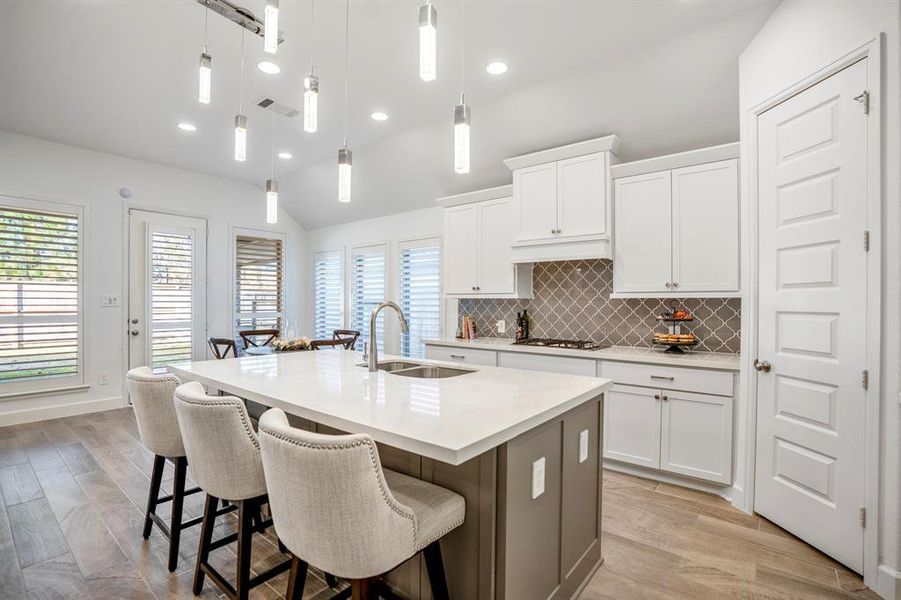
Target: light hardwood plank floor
(73,492)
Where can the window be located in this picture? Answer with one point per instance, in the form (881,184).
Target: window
(420,293)
(328,287)
(40,292)
(171,297)
(259,282)
(367,290)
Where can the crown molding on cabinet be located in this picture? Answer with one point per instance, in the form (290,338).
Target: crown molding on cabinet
(609,143)
(495,193)
(675,161)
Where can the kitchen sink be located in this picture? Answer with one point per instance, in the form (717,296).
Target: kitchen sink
(432,372)
(393,365)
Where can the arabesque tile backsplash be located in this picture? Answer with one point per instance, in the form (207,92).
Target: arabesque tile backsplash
(572,301)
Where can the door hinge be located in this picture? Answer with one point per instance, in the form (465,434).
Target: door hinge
(866,241)
(863,516)
(865,379)
(864,99)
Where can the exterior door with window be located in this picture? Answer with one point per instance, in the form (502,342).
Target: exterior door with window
(166,289)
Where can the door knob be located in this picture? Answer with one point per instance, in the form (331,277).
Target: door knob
(134,332)
(763,367)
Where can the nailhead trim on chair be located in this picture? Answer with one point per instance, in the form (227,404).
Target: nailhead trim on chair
(156,379)
(241,413)
(398,508)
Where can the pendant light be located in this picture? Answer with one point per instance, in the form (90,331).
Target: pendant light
(311,84)
(270,27)
(241,118)
(272,182)
(206,66)
(345,157)
(461,112)
(428,42)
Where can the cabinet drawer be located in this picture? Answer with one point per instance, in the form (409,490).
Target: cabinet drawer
(544,362)
(672,378)
(487,358)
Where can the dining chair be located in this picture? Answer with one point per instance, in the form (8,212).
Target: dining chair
(348,336)
(225,458)
(335,507)
(252,337)
(152,395)
(222,346)
(319,344)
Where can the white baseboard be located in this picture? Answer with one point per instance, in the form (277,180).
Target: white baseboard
(723,491)
(68,409)
(888,583)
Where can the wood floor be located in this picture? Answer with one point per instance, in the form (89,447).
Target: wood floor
(73,491)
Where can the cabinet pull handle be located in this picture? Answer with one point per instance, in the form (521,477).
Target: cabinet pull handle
(662,377)
(675,284)
(665,397)
(460,356)
(656,396)
(668,284)
(553,231)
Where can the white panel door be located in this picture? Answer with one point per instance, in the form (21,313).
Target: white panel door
(642,260)
(496,232)
(535,193)
(581,196)
(705,227)
(813,312)
(461,249)
(632,425)
(696,435)
(166,289)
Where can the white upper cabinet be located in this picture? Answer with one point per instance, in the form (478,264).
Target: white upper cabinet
(560,197)
(677,228)
(478,233)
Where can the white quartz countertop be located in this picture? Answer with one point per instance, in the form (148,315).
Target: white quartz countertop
(450,420)
(707,360)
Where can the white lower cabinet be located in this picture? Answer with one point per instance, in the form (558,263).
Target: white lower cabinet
(632,426)
(486,358)
(696,435)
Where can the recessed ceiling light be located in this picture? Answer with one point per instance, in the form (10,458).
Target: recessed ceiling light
(187,127)
(496,68)
(285,155)
(379,116)
(269,67)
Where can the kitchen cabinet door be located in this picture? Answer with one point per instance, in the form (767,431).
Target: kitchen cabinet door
(461,247)
(496,231)
(705,227)
(696,435)
(535,193)
(642,260)
(581,196)
(632,425)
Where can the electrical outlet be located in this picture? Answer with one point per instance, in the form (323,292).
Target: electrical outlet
(109,300)
(501,326)
(583,445)
(102,378)
(538,477)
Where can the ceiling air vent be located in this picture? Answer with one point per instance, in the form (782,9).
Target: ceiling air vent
(279,109)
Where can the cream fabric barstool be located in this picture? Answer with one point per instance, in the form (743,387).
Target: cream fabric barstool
(225,457)
(152,397)
(336,508)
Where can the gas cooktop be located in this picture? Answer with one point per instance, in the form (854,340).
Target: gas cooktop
(555,343)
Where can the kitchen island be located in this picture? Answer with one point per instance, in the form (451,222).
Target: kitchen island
(522,447)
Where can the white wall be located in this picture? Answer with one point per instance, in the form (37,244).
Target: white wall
(34,168)
(800,38)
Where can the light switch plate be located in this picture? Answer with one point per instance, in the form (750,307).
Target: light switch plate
(109,300)
(583,445)
(538,478)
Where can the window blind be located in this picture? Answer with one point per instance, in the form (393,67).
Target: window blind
(368,290)
(328,285)
(420,295)
(171,298)
(39,295)
(259,283)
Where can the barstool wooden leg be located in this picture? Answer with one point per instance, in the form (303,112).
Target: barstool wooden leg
(247,509)
(156,478)
(178,499)
(360,589)
(435,567)
(297,578)
(206,537)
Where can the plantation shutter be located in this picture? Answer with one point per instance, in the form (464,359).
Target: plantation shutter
(39,298)
(368,290)
(420,294)
(328,286)
(259,283)
(171,298)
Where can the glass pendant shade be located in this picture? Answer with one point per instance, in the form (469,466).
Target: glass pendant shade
(461,138)
(205,78)
(310,103)
(428,42)
(270,27)
(344,166)
(272,201)
(240,138)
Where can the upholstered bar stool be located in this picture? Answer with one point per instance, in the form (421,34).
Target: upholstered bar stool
(152,397)
(336,508)
(225,458)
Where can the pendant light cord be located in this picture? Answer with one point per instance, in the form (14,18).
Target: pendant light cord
(272,148)
(206,18)
(346,62)
(312,32)
(242,71)
(462,47)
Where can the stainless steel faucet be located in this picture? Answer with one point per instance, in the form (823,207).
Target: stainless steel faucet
(374,343)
